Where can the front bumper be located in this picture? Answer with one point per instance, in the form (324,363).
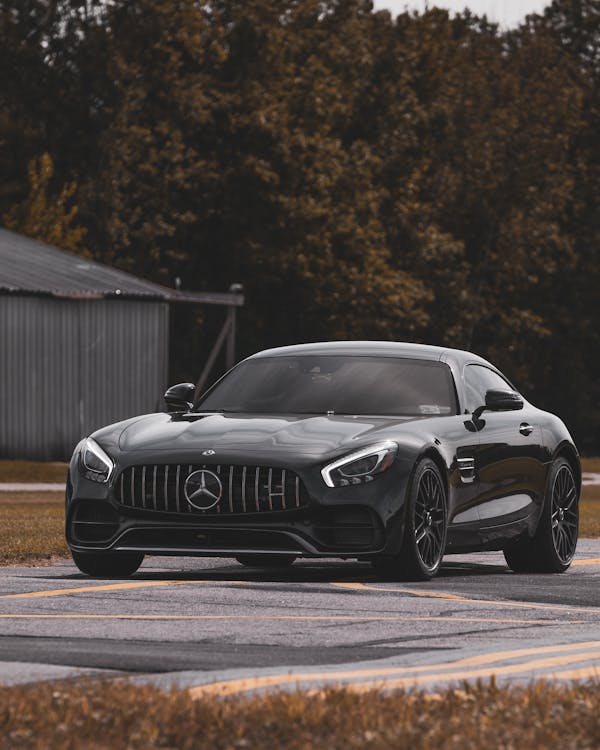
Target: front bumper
(350,522)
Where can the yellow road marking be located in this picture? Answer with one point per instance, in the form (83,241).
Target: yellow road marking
(469,600)
(405,682)
(359,586)
(230,687)
(326,618)
(111,587)
(584,673)
(589,561)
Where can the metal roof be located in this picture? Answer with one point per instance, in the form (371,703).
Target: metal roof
(31,267)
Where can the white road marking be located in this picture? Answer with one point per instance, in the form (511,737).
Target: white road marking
(589,479)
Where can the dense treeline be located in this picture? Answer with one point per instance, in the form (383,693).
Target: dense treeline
(423,178)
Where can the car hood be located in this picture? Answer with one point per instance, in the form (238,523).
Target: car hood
(230,434)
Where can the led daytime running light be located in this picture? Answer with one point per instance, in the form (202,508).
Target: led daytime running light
(381,450)
(89,465)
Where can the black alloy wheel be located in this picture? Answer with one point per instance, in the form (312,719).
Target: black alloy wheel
(426,528)
(266,561)
(552,548)
(565,514)
(430,519)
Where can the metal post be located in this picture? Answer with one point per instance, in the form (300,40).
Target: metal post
(231,337)
(227,333)
(210,362)
(231,314)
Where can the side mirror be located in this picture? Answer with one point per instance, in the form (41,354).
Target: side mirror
(180,398)
(498,400)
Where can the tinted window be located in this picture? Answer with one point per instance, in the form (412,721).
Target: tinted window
(478,380)
(343,385)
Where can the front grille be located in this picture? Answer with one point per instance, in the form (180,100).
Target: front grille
(245,489)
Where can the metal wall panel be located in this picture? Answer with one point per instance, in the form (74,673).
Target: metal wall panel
(68,367)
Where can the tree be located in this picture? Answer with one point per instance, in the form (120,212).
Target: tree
(425,178)
(46,217)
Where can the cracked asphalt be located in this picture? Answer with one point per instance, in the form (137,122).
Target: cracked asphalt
(214,627)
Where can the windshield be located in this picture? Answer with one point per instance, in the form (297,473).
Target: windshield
(309,384)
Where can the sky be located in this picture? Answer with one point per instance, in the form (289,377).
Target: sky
(508,13)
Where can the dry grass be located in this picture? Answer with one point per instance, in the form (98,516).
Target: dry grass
(590,493)
(31,498)
(590,510)
(589,524)
(591,465)
(33,471)
(32,532)
(117,715)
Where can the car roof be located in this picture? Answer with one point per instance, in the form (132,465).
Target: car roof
(374,348)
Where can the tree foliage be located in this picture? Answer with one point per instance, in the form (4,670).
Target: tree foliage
(42,216)
(425,178)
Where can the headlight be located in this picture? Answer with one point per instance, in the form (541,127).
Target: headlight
(94,463)
(361,466)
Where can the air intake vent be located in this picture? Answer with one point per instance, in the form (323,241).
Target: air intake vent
(243,489)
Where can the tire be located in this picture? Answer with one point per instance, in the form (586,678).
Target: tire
(266,561)
(552,548)
(108,564)
(425,529)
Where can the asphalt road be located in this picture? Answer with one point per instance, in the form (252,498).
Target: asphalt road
(216,627)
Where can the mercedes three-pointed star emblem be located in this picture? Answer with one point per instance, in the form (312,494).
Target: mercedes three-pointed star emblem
(203,489)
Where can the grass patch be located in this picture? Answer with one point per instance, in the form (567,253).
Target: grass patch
(119,715)
(19,499)
(32,532)
(589,511)
(589,523)
(33,471)
(591,465)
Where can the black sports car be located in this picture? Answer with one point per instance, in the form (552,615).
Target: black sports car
(388,452)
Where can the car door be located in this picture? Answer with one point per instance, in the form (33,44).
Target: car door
(509,460)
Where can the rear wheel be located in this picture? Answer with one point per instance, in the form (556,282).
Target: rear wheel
(108,564)
(266,561)
(553,546)
(425,529)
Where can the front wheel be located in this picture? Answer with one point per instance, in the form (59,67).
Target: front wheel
(552,548)
(266,561)
(425,531)
(108,564)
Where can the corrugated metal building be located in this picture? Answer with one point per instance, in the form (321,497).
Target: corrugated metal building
(81,345)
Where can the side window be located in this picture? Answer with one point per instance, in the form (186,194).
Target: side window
(478,380)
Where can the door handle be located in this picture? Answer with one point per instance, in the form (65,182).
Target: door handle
(525,429)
